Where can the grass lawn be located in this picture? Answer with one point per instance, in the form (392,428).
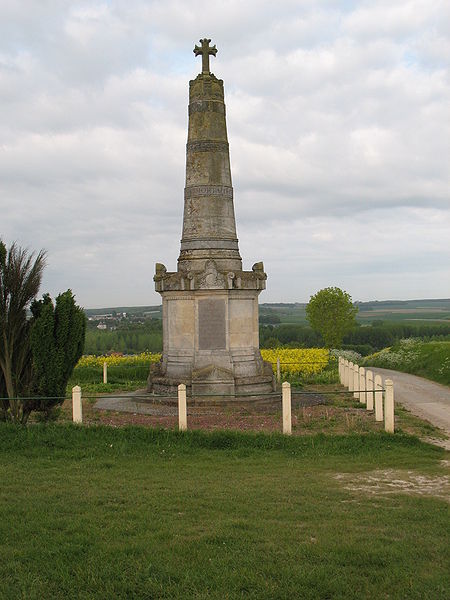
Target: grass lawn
(132,512)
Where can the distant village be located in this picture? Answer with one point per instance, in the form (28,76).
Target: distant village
(111,320)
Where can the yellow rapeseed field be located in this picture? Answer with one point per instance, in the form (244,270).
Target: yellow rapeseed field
(293,361)
(297,361)
(118,360)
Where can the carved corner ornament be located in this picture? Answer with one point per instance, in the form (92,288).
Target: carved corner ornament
(160,271)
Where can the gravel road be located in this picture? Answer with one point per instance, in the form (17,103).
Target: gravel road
(424,398)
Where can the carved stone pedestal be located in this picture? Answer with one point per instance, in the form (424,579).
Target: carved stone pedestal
(210,333)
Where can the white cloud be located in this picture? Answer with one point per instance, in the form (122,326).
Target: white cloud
(339,129)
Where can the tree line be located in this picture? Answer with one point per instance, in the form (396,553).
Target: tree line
(128,339)
(362,339)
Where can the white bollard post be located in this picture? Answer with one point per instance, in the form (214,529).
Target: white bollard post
(286,408)
(77,410)
(389,406)
(345,382)
(350,377)
(369,390)
(362,385)
(182,408)
(278,371)
(355,381)
(105,372)
(378,385)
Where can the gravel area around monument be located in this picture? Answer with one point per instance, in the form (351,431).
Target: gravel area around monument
(332,414)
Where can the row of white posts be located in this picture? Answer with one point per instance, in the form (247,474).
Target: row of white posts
(77,410)
(369,390)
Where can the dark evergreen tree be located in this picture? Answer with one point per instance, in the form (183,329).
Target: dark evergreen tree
(57,341)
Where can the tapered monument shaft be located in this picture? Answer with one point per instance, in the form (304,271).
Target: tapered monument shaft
(209,227)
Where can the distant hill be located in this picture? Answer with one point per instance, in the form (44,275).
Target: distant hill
(405,310)
(130,310)
(429,310)
(432,309)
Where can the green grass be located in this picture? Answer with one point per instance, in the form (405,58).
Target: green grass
(329,376)
(426,359)
(120,378)
(100,512)
(407,422)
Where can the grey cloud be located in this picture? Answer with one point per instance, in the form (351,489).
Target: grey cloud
(338,124)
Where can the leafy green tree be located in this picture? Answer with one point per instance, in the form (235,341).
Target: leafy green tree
(57,341)
(20,279)
(331,312)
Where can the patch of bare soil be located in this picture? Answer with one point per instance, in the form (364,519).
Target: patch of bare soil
(392,481)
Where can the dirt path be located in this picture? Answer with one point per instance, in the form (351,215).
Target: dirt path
(424,398)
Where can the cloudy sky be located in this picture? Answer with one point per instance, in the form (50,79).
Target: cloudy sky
(338,121)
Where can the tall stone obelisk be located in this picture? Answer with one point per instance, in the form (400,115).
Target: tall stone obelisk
(210,305)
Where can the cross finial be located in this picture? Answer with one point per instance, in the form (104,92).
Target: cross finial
(205,50)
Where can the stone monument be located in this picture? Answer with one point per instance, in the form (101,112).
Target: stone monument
(209,304)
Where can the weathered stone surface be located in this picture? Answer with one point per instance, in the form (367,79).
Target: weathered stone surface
(210,304)
(211,324)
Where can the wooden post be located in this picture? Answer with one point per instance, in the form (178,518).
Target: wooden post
(350,377)
(362,385)
(369,390)
(278,370)
(286,408)
(389,406)
(345,382)
(77,410)
(182,408)
(355,381)
(105,372)
(378,385)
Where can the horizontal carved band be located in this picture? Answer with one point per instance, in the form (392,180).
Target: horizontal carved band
(208,190)
(207,146)
(209,244)
(207,106)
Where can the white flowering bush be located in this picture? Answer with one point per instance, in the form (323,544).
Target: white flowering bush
(402,355)
(349,355)
(411,355)
(444,369)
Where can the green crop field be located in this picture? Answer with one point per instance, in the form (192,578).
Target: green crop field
(98,512)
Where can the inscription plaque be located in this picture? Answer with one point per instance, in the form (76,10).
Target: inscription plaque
(211,324)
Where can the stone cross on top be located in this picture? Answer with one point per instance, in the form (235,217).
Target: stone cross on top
(205,50)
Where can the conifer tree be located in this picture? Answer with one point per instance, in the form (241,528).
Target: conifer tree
(57,341)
